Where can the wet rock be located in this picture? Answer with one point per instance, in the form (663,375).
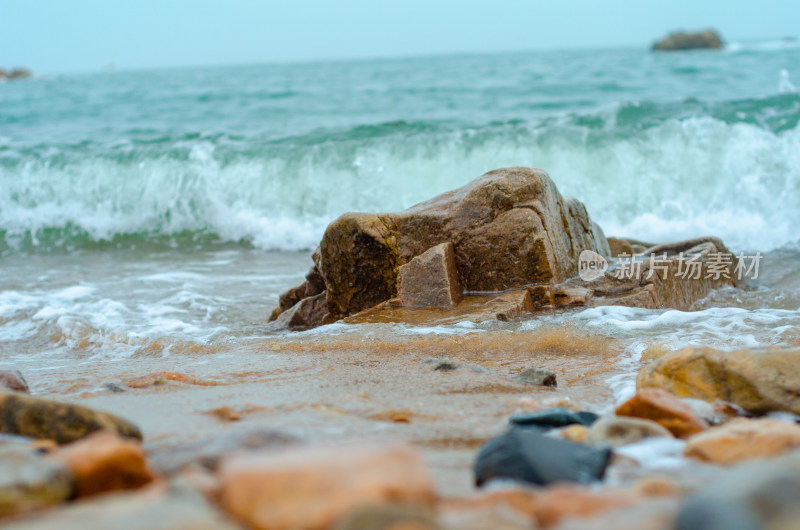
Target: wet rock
(744,439)
(29,481)
(661,277)
(388,517)
(316,487)
(509,228)
(616,431)
(758,380)
(151,509)
(708,39)
(566,502)
(553,418)
(564,296)
(529,456)
(538,377)
(12,379)
(445,366)
(208,452)
(312,286)
(620,247)
(62,422)
(307,313)
(753,495)
(430,279)
(665,409)
(104,462)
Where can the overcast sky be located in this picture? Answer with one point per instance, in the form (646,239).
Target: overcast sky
(52,36)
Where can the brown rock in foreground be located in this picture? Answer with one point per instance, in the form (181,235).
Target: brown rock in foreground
(430,279)
(63,422)
(707,39)
(744,439)
(758,380)
(314,487)
(665,409)
(150,509)
(509,228)
(29,481)
(104,462)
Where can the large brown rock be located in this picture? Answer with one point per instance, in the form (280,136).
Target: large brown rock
(104,462)
(430,279)
(744,439)
(665,409)
(509,228)
(314,487)
(757,380)
(62,422)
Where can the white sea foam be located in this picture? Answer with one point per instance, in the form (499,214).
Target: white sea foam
(680,179)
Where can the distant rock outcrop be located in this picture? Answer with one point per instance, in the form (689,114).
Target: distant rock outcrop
(708,39)
(16,73)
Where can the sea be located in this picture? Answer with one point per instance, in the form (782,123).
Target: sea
(151,218)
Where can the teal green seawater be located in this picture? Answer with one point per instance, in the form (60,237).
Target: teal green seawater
(150,219)
(658,146)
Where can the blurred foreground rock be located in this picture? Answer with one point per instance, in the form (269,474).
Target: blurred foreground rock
(529,456)
(744,439)
(316,487)
(62,422)
(153,509)
(665,409)
(757,380)
(29,482)
(104,462)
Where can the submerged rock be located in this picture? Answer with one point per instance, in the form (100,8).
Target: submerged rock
(744,439)
(529,456)
(61,422)
(679,40)
(430,279)
(538,377)
(12,379)
(757,380)
(29,481)
(665,409)
(509,228)
(316,487)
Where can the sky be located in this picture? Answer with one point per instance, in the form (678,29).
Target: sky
(54,36)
